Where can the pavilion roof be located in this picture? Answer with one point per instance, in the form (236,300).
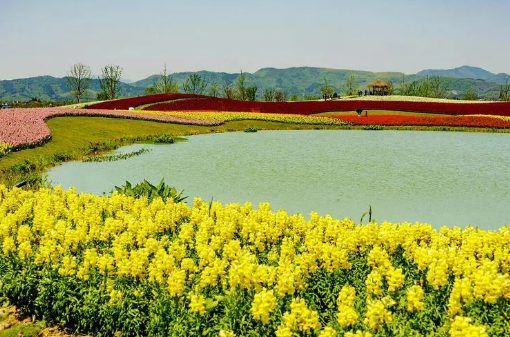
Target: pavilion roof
(378,83)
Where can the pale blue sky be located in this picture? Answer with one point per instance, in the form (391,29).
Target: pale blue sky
(45,37)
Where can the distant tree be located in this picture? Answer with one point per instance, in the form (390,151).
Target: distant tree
(439,86)
(79,78)
(470,95)
(228,91)
(109,82)
(312,97)
(195,84)
(425,88)
(326,89)
(279,95)
(403,89)
(269,94)
(351,88)
(240,86)
(163,84)
(504,91)
(214,91)
(251,93)
(294,97)
(391,88)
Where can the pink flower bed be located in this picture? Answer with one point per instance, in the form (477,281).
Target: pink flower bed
(126,103)
(26,127)
(307,108)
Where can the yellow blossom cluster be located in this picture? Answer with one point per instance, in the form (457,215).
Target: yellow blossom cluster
(347,314)
(462,327)
(263,304)
(300,318)
(415,296)
(205,249)
(5,148)
(377,315)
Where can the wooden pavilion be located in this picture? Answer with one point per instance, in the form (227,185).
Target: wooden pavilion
(379,87)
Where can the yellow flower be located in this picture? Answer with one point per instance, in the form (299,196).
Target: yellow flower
(197,303)
(347,296)
(377,315)
(374,283)
(358,333)
(24,250)
(226,333)
(176,282)
(415,296)
(263,304)
(346,316)
(462,327)
(395,278)
(8,246)
(328,332)
(115,297)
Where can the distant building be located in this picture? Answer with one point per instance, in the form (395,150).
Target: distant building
(379,87)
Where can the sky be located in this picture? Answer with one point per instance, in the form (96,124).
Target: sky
(46,37)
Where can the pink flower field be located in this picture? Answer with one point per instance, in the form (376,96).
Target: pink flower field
(26,127)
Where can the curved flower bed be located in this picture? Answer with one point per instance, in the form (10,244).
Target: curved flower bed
(307,108)
(26,127)
(269,117)
(123,266)
(126,103)
(472,121)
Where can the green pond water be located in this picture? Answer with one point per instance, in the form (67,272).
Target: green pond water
(407,176)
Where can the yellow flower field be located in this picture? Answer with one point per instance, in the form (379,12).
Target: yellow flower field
(237,116)
(115,264)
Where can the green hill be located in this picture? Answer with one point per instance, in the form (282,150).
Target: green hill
(467,72)
(298,80)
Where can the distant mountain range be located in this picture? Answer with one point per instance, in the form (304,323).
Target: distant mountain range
(299,80)
(467,72)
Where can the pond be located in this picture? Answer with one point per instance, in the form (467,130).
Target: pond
(406,176)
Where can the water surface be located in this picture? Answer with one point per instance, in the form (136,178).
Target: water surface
(434,177)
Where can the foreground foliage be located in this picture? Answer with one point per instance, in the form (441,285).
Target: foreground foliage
(151,192)
(103,265)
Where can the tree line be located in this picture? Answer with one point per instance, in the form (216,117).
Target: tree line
(79,78)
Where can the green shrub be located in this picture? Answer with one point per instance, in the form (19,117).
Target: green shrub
(146,189)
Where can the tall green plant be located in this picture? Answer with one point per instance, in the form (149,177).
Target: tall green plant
(241,86)
(351,86)
(504,91)
(146,189)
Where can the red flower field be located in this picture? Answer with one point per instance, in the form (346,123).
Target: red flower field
(126,103)
(311,107)
(471,121)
